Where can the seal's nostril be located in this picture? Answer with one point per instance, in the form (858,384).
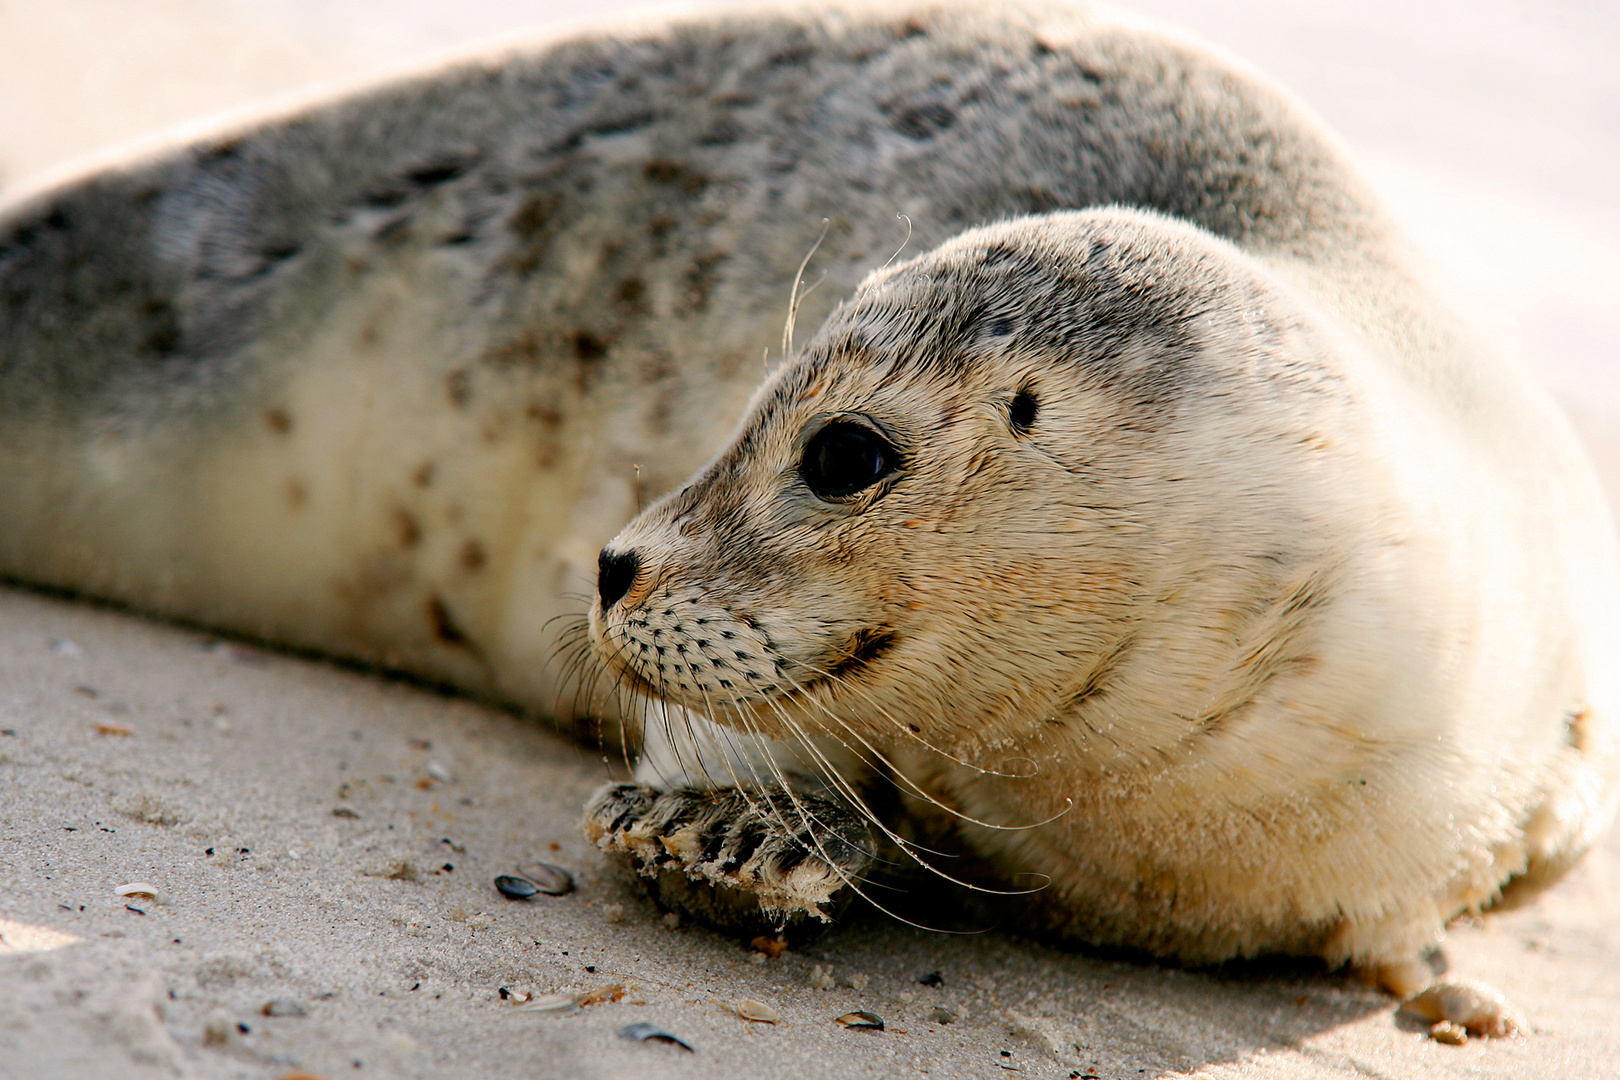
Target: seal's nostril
(615,573)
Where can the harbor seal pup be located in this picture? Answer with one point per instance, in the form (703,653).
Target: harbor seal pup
(1228,586)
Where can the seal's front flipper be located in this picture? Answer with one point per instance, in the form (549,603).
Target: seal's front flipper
(743,860)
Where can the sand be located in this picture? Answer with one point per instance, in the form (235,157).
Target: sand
(326,839)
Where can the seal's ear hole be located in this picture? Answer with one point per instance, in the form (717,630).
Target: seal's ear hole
(1021,413)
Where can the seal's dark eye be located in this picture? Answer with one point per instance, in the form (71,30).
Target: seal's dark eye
(844,457)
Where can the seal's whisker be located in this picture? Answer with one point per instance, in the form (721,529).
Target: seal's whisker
(900,775)
(784,784)
(902,246)
(848,791)
(794,299)
(661,705)
(727,733)
(834,679)
(905,730)
(639,703)
(830,772)
(572,659)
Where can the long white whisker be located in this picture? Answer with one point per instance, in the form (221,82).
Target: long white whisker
(794,298)
(804,694)
(902,246)
(847,790)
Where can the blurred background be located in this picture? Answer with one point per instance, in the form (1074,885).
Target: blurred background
(1491,126)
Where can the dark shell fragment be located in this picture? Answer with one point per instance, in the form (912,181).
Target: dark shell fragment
(862,1020)
(516,888)
(654,1033)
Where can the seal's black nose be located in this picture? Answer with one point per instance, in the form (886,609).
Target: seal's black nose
(615,573)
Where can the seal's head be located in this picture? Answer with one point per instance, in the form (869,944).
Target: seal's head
(1001,476)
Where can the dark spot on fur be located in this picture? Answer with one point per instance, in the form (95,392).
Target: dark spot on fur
(1098,677)
(278,420)
(863,649)
(629,295)
(458,385)
(676,174)
(406,531)
(997,254)
(531,219)
(273,255)
(444,626)
(796,55)
(439,172)
(923,120)
(659,228)
(722,132)
(524,350)
(701,277)
(296,494)
(1021,413)
(472,556)
(616,125)
(546,415)
(384,196)
(423,476)
(587,346)
(162,328)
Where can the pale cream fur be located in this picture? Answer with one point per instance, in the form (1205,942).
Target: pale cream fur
(1337,780)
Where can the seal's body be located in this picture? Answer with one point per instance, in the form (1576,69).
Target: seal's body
(1183,550)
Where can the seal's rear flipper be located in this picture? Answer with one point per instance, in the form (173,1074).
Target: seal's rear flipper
(744,861)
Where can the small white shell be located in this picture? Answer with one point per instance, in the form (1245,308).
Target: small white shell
(550,1003)
(757,1011)
(136,888)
